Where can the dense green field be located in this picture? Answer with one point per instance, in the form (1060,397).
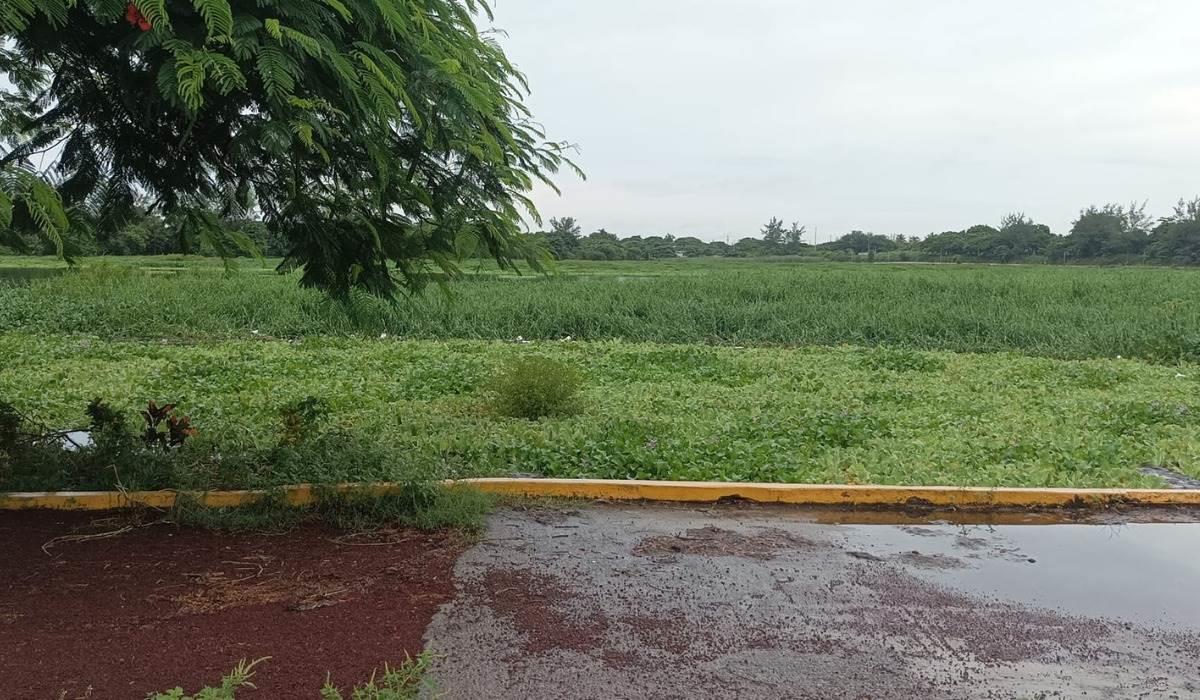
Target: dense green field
(650,411)
(1039,310)
(723,370)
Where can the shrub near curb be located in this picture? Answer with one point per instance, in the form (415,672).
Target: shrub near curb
(536,387)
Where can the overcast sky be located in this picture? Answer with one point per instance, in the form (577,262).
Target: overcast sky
(707,117)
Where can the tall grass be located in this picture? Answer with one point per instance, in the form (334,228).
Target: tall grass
(1049,311)
(413,412)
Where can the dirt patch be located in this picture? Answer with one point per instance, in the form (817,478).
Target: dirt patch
(547,614)
(159,606)
(672,634)
(939,562)
(536,605)
(936,622)
(265,582)
(715,542)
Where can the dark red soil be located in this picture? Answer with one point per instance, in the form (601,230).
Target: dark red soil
(533,603)
(159,606)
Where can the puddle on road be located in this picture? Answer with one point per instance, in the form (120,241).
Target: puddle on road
(1142,573)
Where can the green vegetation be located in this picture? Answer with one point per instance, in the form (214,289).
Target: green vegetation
(236,679)
(536,387)
(682,369)
(415,410)
(404,682)
(1062,312)
(1111,234)
(421,505)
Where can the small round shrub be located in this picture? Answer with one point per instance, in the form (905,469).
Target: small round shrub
(535,387)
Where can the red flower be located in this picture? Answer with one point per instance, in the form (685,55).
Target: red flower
(135,17)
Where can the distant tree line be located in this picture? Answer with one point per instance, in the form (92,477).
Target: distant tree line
(1109,234)
(144,232)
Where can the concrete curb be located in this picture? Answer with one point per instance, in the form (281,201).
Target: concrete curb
(936,497)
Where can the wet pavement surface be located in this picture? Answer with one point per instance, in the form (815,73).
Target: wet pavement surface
(633,601)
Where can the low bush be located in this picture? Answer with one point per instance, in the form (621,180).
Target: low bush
(537,387)
(108,455)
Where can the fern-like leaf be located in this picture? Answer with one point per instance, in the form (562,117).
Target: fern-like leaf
(310,45)
(273,28)
(225,73)
(340,8)
(6,210)
(155,11)
(274,69)
(190,75)
(218,16)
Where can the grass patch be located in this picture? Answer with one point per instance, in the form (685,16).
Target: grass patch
(403,682)
(271,513)
(901,360)
(419,411)
(237,679)
(692,369)
(1060,312)
(424,506)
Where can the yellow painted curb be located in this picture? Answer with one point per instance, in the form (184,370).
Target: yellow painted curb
(837,495)
(944,497)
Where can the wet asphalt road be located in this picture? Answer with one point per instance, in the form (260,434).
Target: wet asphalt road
(639,601)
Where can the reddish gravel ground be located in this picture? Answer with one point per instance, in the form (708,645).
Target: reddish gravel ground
(158,606)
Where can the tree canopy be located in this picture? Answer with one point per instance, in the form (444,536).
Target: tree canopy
(1108,234)
(372,136)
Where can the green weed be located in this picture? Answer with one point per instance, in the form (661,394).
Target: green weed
(839,428)
(421,505)
(901,360)
(1130,416)
(403,682)
(302,418)
(400,412)
(535,387)
(235,680)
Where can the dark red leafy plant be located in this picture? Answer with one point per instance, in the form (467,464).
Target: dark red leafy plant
(135,17)
(178,428)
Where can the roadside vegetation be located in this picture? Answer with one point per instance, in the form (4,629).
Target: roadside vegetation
(415,411)
(403,682)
